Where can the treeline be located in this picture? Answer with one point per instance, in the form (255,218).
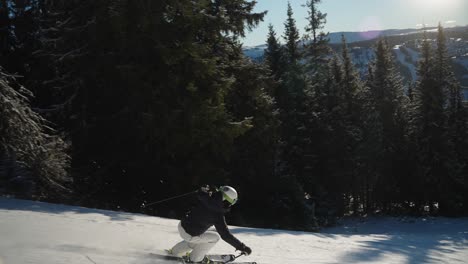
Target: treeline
(150,99)
(374,145)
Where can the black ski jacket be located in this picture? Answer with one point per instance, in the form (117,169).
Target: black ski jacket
(209,211)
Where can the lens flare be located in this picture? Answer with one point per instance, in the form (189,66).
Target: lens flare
(370,27)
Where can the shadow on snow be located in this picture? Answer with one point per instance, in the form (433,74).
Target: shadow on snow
(418,240)
(34,206)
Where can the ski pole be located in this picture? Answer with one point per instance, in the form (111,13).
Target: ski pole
(235,257)
(168,199)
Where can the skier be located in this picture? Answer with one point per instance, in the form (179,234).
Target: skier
(208,211)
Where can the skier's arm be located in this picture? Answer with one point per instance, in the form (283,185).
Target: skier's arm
(226,235)
(206,200)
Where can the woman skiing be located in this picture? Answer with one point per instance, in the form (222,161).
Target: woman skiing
(208,211)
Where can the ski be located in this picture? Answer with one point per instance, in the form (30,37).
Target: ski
(166,257)
(224,257)
(235,262)
(215,259)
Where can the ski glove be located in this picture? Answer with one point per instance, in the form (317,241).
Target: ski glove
(205,189)
(245,250)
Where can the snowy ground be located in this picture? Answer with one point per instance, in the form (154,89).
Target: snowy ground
(36,233)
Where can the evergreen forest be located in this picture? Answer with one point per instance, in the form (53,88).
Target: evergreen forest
(115,104)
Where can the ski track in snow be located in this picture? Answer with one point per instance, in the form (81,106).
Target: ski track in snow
(36,233)
(401,57)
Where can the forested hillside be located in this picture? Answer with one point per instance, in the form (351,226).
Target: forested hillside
(118,103)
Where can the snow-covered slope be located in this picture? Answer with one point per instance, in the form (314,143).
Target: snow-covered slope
(256,52)
(408,59)
(36,233)
(351,37)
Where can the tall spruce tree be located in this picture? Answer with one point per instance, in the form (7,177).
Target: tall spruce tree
(318,46)
(351,80)
(319,84)
(274,57)
(449,184)
(369,148)
(390,127)
(440,122)
(254,155)
(352,115)
(294,83)
(275,60)
(335,137)
(428,123)
(292,102)
(291,37)
(329,146)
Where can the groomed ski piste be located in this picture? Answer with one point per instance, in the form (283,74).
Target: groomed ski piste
(42,233)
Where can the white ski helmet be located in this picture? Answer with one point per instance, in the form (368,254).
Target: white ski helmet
(229,194)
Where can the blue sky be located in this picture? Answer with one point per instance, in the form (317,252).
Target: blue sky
(362,15)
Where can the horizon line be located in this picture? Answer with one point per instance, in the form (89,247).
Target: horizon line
(373,30)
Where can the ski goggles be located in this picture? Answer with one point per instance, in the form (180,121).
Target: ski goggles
(229,199)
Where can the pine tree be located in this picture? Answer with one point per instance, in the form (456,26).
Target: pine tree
(330,174)
(319,40)
(352,116)
(275,61)
(293,79)
(369,148)
(28,142)
(291,37)
(429,107)
(274,54)
(390,127)
(321,89)
(352,84)
(458,140)
(455,126)
(437,99)
(292,103)
(254,156)
(336,135)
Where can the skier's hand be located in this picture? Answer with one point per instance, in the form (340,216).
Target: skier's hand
(204,188)
(245,250)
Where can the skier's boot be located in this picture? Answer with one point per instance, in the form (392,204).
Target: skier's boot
(205,260)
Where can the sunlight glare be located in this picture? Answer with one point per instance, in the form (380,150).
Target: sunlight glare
(436,4)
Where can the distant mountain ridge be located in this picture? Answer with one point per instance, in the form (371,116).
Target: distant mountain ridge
(352,37)
(405,44)
(256,52)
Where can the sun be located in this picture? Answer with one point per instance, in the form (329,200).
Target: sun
(432,12)
(436,5)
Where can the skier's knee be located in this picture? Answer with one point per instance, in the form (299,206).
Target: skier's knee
(216,238)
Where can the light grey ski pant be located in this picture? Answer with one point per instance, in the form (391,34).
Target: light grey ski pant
(198,245)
